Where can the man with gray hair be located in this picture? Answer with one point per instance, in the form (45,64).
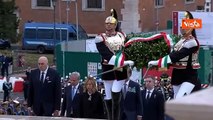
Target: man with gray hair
(71,98)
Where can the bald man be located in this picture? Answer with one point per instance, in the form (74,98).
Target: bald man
(44,96)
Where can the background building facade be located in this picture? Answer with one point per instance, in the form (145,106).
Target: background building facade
(134,15)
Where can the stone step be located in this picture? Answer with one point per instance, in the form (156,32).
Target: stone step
(196,106)
(12,117)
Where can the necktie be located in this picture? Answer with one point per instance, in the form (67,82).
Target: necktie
(148,95)
(42,77)
(125,85)
(73,92)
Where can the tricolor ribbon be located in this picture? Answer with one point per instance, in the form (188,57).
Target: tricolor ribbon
(120,57)
(163,62)
(119,60)
(167,37)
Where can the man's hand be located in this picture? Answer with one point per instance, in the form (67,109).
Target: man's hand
(30,111)
(29,108)
(139,117)
(56,113)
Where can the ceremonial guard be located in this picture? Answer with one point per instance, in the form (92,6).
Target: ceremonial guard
(7,87)
(184,59)
(108,44)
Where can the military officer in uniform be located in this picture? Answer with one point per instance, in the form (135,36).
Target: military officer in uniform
(184,59)
(108,43)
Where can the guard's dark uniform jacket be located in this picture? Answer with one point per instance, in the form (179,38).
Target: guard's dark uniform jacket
(184,59)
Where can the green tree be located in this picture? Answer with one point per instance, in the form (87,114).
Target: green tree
(8,20)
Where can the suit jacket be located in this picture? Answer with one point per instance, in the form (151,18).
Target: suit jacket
(6,61)
(154,107)
(131,105)
(92,106)
(45,95)
(7,87)
(70,105)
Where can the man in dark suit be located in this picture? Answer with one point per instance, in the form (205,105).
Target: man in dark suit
(153,101)
(45,90)
(1,60)
(71,98)
(6,61)
(131,101)
(26,83)
(7,87)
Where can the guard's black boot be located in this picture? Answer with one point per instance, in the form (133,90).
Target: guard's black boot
(116,98)
(108,105)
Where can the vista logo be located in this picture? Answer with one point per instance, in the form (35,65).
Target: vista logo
(191,23)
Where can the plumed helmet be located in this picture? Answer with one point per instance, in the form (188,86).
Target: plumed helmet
(111,19)
(188,15)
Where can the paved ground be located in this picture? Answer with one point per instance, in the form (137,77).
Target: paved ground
(14,95)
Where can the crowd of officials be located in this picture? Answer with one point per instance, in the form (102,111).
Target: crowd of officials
(43,95)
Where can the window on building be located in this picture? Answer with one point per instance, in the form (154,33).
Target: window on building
(189,1)
(207,9)
(199,7)
(159,3)
(93,5)
(43,3)
(207,4)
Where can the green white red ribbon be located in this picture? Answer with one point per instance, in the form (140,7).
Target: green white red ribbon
(168,39)
(119,60)
(163,62)
(120,57)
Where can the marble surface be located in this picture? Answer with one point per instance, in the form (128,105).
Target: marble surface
(196,106)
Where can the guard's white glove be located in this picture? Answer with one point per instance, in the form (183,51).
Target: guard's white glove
(153,63)
(129,62)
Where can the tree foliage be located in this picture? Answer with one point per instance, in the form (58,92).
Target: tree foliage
(8,20)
